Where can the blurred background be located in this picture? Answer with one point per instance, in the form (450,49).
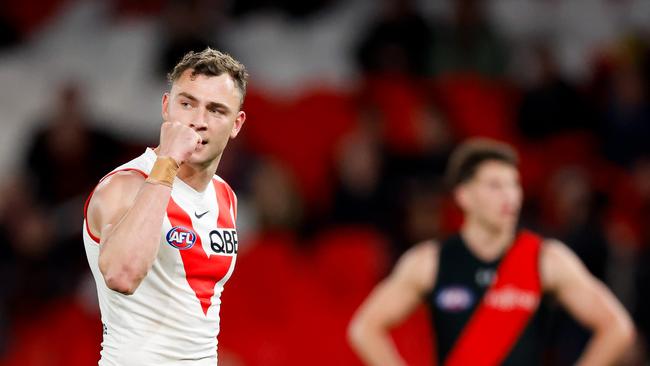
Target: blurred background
(353,107)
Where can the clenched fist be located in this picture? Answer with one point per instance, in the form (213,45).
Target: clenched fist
(178,141)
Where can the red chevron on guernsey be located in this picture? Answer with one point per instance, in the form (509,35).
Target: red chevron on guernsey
(203,271)
(225,199)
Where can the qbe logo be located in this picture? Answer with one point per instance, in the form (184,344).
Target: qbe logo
(224,241)
(181,237)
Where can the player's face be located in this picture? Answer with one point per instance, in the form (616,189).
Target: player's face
(209,105)
(493,196)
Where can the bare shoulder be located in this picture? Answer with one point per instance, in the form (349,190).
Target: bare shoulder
(555,250)
(121,182)
(419,264)
(421,252)
(111,197)
(558,263)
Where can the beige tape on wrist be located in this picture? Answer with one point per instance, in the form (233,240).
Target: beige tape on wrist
(164,171)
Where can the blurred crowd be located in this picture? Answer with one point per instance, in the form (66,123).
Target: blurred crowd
(334,183)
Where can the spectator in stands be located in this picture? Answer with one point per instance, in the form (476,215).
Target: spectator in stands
(396,43)
(627,128)
(357,188)
(34,261)
(67,154)
(468,43)
(188,26)
(552,105)
(570,212)
(275,198)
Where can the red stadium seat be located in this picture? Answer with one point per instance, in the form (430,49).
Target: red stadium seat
(349,261)
(302,133)
(477,106)
(402,106)
(64,334)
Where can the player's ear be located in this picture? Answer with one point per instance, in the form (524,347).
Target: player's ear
(461,195)
(239,123)
(165,106)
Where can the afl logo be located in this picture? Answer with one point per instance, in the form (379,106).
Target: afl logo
(455,299)
(181,238)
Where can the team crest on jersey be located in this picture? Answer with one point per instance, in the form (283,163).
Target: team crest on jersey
(181,238)
(455,298)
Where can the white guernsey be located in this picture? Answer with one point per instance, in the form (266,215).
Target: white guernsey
(174,314)
(159,231)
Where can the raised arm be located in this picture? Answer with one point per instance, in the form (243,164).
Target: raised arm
(390,303)
(126,211)
(589,302)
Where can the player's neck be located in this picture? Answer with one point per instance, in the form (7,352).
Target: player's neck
(196,176)
(484,242)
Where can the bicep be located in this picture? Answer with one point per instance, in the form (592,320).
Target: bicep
(587,299)
(111,200)
(390,303)
(398,295)
(589,302)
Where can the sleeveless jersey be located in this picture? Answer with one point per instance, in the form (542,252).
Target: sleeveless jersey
(173,316)
(461,284)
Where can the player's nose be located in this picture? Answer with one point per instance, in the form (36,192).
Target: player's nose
(199,122)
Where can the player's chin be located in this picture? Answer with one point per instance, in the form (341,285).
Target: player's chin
(503,223)
(201,157)
(509,223)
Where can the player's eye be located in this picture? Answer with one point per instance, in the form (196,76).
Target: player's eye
(186,105)
(216,110)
